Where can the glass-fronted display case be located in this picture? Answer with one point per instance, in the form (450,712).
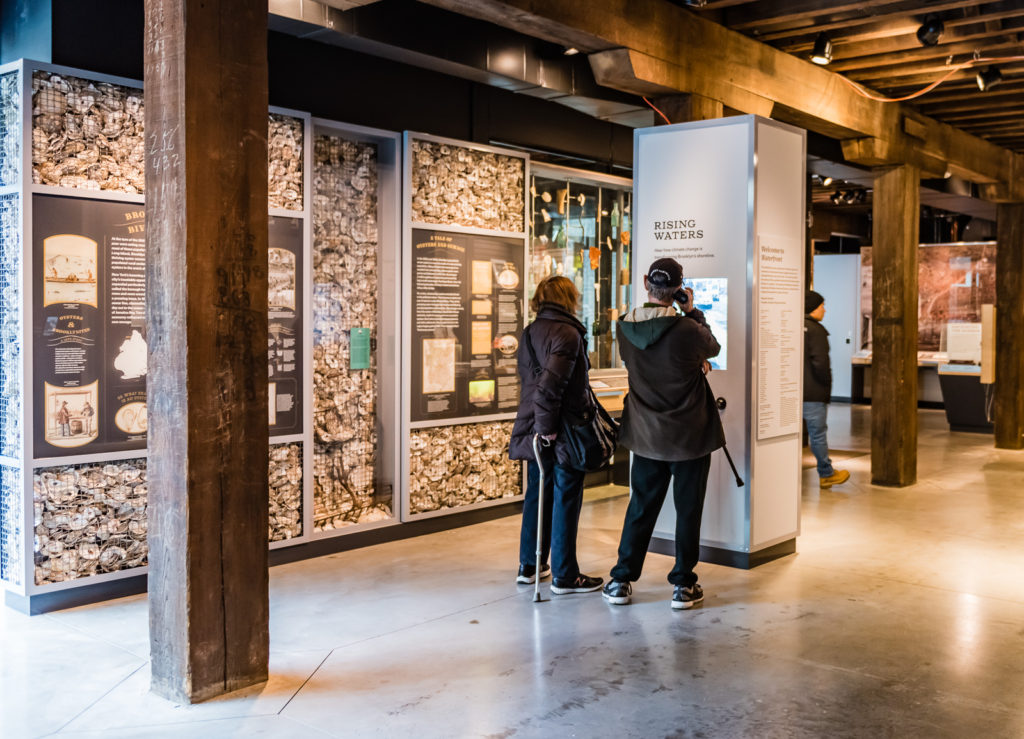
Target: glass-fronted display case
(580,227)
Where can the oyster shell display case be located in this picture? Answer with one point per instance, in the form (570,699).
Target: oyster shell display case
(470,199)
(72,501)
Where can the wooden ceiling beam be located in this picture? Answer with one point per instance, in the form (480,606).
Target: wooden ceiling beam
(935,68)
(897,34)
(923,54)
(818,25)
(778,12)
(667,49)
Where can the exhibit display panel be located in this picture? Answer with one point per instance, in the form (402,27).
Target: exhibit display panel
(355,330)
(954,281)
(72,320)
(464,278)
(725,198)
(580,227)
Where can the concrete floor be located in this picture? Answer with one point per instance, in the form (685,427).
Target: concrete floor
(902,615)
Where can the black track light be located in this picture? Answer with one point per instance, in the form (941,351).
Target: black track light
(836,197)
(930,31)
(988,77)
(822,51)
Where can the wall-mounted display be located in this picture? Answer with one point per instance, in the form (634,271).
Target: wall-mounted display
(580,227)
(953,280)
(711,297)
(87,134)
(345,299)
(89,519)
(285,269)
(285,166)
(466,186)
(467,317)
(455,466)
(464,273)
(89,334)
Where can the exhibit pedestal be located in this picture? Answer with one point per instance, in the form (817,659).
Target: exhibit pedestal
(726,199)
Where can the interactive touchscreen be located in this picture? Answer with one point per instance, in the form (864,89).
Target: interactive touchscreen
(710,295)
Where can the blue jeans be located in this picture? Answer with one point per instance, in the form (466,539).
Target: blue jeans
(563,499)
(816,420)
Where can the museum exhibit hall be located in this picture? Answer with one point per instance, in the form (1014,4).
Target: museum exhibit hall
(372,196)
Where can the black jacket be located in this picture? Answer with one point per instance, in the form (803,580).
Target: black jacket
(559,340)
(669,413)
(817,367)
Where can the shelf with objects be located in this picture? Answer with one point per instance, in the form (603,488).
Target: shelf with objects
(464,283)
(73,416)
(580,227)
(954,281)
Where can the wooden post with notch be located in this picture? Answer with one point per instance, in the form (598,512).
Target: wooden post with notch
(896,217)
(206,282)
(1008,407)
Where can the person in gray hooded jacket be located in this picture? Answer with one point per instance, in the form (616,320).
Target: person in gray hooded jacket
(671,424)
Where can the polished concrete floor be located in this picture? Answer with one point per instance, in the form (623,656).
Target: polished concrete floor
(901,615)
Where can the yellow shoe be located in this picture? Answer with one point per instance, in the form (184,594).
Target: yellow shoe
(836,478)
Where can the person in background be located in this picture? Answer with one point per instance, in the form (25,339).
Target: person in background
(671,424)
(64,419)
(818,389)
(558,341)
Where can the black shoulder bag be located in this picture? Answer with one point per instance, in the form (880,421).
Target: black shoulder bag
(590,435)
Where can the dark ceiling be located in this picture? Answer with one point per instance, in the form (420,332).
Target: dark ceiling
(875,43)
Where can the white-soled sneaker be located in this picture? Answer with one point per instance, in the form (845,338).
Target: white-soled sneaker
(683,597)
(526,573)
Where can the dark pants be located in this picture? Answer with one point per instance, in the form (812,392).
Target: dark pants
(649,480)
(563,498)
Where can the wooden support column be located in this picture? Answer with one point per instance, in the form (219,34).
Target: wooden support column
(686,108)
(1009,387)
(206,282)
(896,212)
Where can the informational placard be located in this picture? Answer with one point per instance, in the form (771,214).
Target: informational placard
(780,322)
(285,331)
(89,297)
(89,312)
(467,317)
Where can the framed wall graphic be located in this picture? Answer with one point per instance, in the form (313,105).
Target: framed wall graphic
(464,284)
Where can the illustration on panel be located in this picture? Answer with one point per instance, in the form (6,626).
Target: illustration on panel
(71,414)
(69,270)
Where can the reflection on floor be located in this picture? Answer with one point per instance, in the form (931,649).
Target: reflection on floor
(901,615)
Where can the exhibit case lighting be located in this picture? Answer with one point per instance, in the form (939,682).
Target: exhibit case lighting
(726,199)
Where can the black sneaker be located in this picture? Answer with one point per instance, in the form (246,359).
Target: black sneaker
(578,584)
(617,593)
(526,573)
(683,597)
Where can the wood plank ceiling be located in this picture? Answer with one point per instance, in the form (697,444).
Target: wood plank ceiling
(875,43)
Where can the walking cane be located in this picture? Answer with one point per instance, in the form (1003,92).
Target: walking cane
(540,516)
(739,480)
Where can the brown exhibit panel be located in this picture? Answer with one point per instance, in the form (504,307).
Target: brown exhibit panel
(894,307)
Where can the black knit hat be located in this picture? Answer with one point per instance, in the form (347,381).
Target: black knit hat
(665,272)
(812,301)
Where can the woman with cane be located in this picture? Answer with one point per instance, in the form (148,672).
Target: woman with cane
(553,369)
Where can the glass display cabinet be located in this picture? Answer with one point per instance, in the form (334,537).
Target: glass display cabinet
(580,227)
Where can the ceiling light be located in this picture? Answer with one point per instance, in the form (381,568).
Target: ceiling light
(836,198)
(826,181)
(988,77)
(571,51)
(929,32)
(695,3)
(822,52)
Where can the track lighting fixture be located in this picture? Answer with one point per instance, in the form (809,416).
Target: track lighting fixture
(988,77)
(822,51)
(930,31)
(836,197)
(571,51)
(695,3)
(826,181)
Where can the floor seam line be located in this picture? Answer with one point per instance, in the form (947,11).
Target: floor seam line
(108,692)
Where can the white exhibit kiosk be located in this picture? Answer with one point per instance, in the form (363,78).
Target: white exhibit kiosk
(726,198)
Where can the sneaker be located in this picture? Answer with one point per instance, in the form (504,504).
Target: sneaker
(683,597)
(526,573)
(836,478)
(617,593)
(578,584)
